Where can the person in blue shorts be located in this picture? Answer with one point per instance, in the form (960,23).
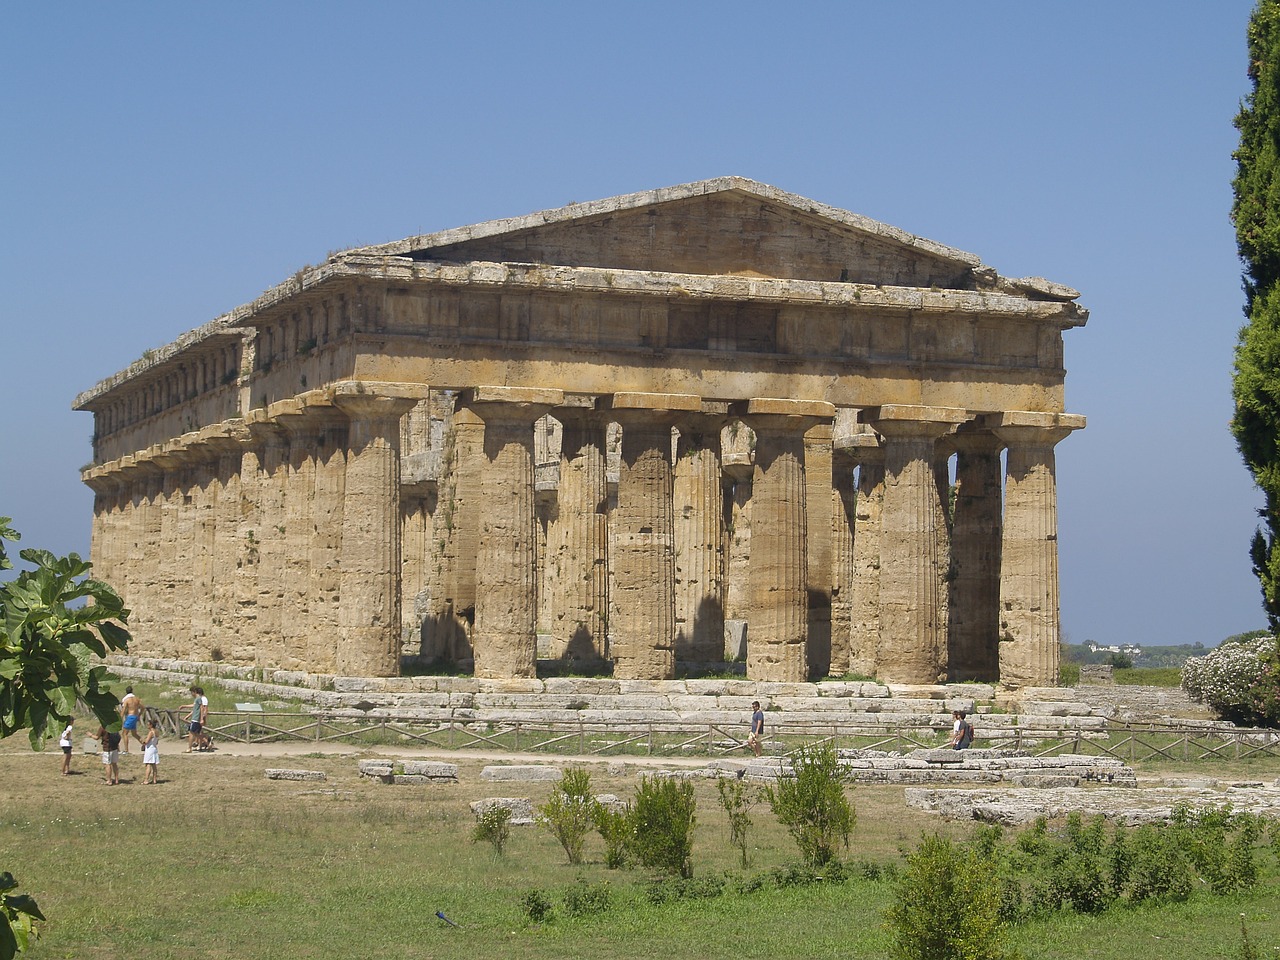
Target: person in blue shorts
(130,714)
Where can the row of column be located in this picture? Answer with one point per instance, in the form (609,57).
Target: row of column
(278,540)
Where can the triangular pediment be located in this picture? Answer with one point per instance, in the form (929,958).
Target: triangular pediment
(728,226)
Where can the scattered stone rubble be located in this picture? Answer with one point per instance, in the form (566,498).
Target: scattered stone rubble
(1128,806)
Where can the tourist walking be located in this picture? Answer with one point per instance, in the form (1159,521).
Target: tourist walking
(64,742)
(130,712)
(961,731)
(755,739)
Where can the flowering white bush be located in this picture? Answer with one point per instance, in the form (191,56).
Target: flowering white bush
(1240,680)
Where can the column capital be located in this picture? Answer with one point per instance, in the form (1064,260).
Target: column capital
(372,406)
(908,420)
(860,448)
(649,402)
(510,403)
(1029,428)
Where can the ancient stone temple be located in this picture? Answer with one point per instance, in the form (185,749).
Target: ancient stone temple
(714,422)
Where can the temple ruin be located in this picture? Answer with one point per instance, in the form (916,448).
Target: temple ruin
(644,436)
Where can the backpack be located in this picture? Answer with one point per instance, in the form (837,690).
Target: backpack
(966,733)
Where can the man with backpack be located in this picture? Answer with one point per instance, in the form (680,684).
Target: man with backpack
(961,731)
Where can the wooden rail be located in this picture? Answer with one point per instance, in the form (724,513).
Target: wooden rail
(1128,742)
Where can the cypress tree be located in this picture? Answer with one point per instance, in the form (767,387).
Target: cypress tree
(1256,214)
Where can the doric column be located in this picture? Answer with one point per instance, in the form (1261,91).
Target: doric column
(778,579)
(226,442)
(736,467)
(369,604)
(244,620)
(173,556)
(699,539)
(1029,624)
(325,569)
(455,524)
(505,641)
(818,555)
(912,646)
(942,451)
(867,455)
(304,427)
(272,582)
(975,557)
(643,638)
(843,504)
(204,496)
(578,540)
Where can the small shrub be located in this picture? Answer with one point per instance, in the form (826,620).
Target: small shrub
(946,906)
(811,804)
(584,899)
(493,827)
(661,825)
(568,812)
(614,827)
(736,801)
(537,906)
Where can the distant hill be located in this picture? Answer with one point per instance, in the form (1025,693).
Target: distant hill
(1139,655)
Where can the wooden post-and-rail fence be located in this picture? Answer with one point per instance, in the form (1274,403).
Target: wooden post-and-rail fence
(1127,742)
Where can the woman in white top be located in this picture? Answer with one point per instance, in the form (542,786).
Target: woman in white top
(65,743)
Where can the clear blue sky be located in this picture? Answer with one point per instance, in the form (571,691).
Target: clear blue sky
(163,163)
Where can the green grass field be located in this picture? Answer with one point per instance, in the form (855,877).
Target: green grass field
(217,861)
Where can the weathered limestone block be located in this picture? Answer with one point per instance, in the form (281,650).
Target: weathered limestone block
(521,809)
(284,774)
(521,772)
(431,769)
(377,769)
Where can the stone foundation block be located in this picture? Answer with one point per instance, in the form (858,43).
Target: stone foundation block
(275,774)
(377,768)
(523,772)
(431,769)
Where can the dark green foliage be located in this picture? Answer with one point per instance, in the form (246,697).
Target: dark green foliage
(18,913)
(1161,871)
(568,811)
(47,642)
(670,889)
(53,620)
(811,804)
(493,827)
(537,906)
(947,906)
(662,820)
(584,899)
(1256,212)
(1086,866)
